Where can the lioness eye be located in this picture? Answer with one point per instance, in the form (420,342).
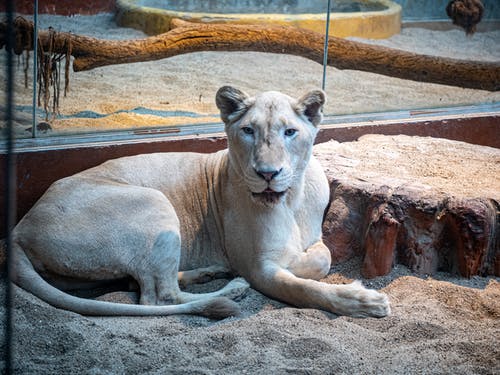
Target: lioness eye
(290,132)
(247,130)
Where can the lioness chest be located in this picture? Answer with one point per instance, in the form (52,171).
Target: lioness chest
(253,233)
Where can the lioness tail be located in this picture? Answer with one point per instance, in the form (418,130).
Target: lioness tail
(25,276)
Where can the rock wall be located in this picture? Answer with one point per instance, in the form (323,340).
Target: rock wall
(430,204)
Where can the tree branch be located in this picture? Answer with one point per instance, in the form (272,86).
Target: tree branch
(186,37)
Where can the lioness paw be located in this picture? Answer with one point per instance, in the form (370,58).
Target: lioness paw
(358,301)
(236,288)
(373,303)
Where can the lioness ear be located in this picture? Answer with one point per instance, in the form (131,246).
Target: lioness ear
(311,106)
(231,103)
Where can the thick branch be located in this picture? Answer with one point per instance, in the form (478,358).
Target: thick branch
(187,37)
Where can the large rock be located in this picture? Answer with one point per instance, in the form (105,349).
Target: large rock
(430,204)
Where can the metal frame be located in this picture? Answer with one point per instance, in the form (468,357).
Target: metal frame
(216,129)
(10,189)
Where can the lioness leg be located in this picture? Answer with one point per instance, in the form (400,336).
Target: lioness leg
(160,285)
(352,299)
(203,275)
(314,263)
(156,272)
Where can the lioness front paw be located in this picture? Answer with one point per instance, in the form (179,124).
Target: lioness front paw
(361,302)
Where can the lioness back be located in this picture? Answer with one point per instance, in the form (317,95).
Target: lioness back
(188,180)
(191,182)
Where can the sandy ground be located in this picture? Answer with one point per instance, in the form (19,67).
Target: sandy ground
(440,324)
(189,82)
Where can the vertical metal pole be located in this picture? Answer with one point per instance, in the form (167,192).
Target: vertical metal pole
(35,66)
(325,49)
(9,184)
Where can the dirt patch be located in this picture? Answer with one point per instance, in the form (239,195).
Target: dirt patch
(436,327)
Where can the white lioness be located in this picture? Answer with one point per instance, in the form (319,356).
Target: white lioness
(254,210)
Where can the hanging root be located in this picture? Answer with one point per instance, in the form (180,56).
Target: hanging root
(49,61)
(49,74)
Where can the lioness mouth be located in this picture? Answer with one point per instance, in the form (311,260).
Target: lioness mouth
(269,195)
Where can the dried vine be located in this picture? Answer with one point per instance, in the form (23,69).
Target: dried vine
(49,74)
(50,54)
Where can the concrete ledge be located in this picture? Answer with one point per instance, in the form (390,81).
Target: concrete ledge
(374,25)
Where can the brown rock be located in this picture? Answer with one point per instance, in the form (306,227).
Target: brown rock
(430,204)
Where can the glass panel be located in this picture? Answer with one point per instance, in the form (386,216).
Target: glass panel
(426,30)
(179,90)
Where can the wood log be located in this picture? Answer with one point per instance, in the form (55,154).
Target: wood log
(430,204)
(186,37)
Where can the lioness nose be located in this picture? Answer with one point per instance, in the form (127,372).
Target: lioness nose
(268,175)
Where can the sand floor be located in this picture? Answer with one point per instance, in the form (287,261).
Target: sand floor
(440,325)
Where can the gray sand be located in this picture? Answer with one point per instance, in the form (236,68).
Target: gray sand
(440,325)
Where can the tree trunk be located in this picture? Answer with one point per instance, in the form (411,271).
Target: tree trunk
(430,204)
(188,37)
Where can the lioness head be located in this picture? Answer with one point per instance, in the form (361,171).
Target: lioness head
(270,138)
